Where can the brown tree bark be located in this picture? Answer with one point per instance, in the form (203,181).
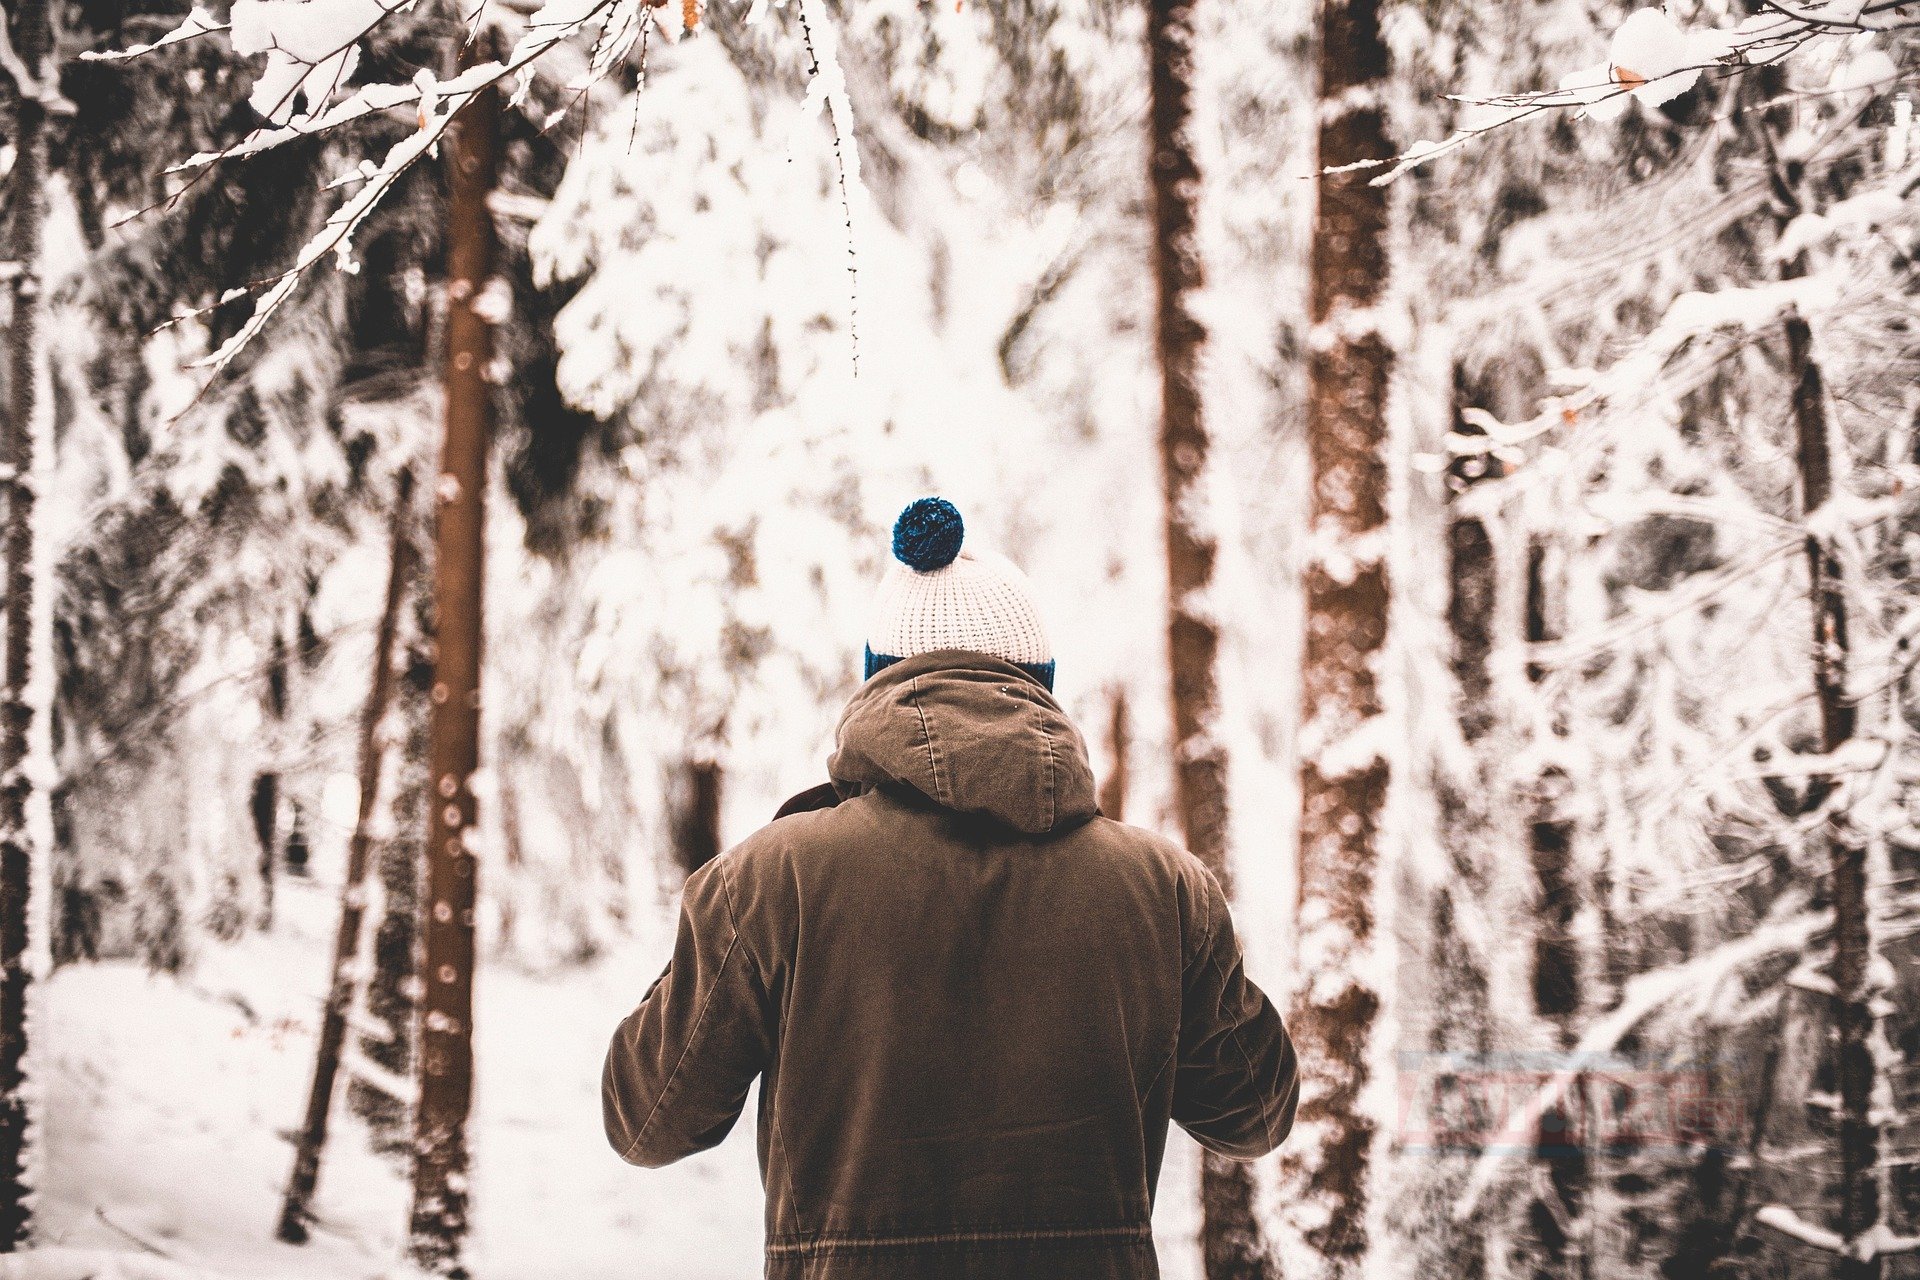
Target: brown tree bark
(26,194)
(1230,1235)
(296,1208)
(1113,787)
(1343,791)
(693,813)
(439,1220)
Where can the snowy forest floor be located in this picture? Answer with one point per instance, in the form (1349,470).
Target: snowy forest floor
(167,1101)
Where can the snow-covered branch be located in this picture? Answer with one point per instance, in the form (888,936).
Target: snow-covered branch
(1653,59)
(1693,982)
(312,49)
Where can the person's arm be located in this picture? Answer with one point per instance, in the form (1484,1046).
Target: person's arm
(679,1067)
(1236,1082)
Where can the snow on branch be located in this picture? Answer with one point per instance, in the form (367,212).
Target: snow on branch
(1789,1223)
(312,48)
(1654,59)
(1689,316)
(199,22)
(1879,1242)
(1694,984)
(336,235)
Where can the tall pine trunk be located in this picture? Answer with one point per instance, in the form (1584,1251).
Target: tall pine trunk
(1230,1235)
(1343,775)
(439,1220)
(26,192)
(296,1208)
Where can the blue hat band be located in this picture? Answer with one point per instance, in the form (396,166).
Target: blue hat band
(1041,671)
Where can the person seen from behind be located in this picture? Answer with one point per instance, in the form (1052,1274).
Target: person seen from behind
(974,1003)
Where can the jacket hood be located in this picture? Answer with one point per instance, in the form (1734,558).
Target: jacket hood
(972,733)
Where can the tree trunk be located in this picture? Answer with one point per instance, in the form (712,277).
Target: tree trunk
(26,192)
(1230,1236)
(1343,776)
(1855,1027)
(693,813)
(439,1221)
(1555,1235)
(390,1011)
(1454,981)
(1113,787)
(1859,1131)
(263,802)
(295,1210)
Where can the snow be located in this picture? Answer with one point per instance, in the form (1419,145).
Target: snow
(953,78)
(169,1100)
(198,22)
(311,48)
(740,481)
(1650,51)
(31,81)
(1880,1242)
(1695,982)
(1863,212)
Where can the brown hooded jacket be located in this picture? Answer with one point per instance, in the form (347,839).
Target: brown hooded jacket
(974,1003)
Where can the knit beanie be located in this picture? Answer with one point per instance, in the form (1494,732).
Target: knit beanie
(941,597)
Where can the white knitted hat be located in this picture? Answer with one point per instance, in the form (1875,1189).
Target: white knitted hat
(941,597)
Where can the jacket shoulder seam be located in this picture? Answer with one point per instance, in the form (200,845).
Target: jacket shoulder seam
(733,920)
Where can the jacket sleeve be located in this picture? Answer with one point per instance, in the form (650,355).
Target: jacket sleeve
(1235,1081)
(680,1065)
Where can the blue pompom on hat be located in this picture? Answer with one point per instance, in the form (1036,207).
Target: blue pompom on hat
(943,596)
(928,534)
